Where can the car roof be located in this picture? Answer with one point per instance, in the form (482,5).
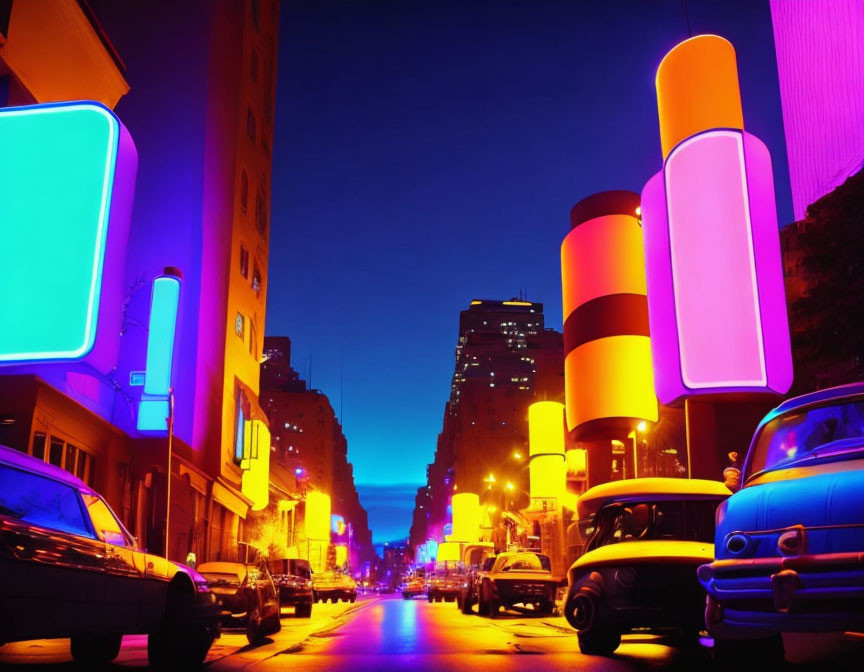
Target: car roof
(19,460)
(237,568)
(647,488)
(829,394)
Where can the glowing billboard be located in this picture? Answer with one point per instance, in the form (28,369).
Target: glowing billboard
(716,301)
(609,384)
(547,470)
(66,183)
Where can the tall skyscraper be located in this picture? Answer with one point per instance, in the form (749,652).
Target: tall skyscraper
(505,360)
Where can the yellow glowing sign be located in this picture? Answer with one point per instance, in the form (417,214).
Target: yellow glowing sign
(546,446)
(449,551)
(466,517)
(341,555)
(317,515)
(256,479)
(517,303)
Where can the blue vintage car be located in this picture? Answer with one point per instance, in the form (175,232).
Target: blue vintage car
(789,546)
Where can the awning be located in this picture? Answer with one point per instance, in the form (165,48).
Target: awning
(231,499)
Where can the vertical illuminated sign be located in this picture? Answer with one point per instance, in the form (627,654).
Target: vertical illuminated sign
(547,470)
(162,330)
(717,305)
(318,516)
(66,182)
(466,517)
(609,384)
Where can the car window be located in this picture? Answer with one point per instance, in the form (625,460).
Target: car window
(531,562)
(673,520)
(104,522)
(41,501)
(488,563)
(794,437)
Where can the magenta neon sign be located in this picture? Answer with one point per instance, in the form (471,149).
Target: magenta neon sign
(717,305)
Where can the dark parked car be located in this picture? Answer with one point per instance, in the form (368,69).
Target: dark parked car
(478,560)
(248,597)
(518,578)
(334,586)
(646,537)
(293,578)
(413,586)
(68,568)
(444,584)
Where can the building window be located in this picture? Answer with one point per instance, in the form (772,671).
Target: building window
(39,446)
(240,325)
(55,452)
(250,124)
(253,341)
(253,66)
(244,190)
(260,213)
(256,281)
(244,262)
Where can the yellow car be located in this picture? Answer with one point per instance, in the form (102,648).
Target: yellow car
(646,538)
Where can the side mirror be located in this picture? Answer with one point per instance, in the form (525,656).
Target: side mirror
(732,478)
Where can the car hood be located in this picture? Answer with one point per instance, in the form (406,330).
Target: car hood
(815,496)
(653,551)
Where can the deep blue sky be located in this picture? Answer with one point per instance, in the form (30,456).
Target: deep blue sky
(428,153)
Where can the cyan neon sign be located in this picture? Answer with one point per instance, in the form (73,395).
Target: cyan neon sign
(154,406)
(57,187)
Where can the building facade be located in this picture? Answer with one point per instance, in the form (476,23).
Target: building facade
(196,95)
(505,359)
(310,448)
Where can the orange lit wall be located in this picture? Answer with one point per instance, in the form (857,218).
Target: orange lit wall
(56,53)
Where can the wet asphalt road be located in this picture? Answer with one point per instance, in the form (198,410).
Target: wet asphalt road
(395,634)
(378,634)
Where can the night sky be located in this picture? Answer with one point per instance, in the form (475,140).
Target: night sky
(428,153)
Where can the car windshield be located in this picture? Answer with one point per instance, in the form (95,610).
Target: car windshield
(527,562)
(41,501)
(823,431)
(221,579)
(677,520)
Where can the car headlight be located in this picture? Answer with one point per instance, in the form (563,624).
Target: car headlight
(738,543)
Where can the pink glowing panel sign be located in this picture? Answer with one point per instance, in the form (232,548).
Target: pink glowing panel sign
(713,269)
(717,308)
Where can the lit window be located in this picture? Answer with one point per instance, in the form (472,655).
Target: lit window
(244,262)
(256,281)
(239,325)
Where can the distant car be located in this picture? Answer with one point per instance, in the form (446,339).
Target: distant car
(334,586)
(70,569)
(385,589)
(789,546)
(646,538)
(477,558)
(469,593)
(414,586)
(518,578)
(444,585)
(293,579)
(247,595)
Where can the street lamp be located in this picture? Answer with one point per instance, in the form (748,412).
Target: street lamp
(640,428)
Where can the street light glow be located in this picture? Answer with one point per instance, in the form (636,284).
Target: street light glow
(642,426)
